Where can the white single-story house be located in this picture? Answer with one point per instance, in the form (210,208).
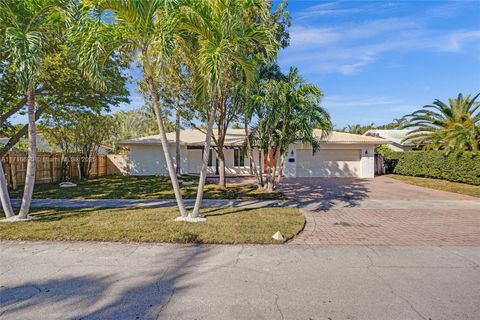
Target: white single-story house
(340,155)
(396,138)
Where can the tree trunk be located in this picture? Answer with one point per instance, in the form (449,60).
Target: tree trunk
(251,158)
(178,170)
(221,169)
(280,169)
(166,152)
(275,166)
(269,168)
(19,134)
(18,106)
(32,156)
(4,196)
(260,169)
(203,171)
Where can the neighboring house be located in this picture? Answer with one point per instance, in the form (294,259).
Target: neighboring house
(340,155)
(396,138)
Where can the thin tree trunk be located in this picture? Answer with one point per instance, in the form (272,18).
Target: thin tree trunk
(280,169)
(269,167)
(166,152)
(19,134)
(4,196)
(178,170)
(10,112)
(221,158)
(260,168)
(203,171)
(275,166)
(253,167)
(32,156)
(221,169)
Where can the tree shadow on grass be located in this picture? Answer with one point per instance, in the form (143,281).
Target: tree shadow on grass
(59,213)
(226,211)
(135,294)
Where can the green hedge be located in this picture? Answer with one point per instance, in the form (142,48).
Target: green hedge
(434,164)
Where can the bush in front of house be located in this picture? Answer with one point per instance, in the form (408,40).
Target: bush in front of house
(435,164)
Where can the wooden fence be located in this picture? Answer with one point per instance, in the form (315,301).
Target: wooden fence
(49,167)
(379,165)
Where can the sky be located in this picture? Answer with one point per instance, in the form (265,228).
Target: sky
(379,60)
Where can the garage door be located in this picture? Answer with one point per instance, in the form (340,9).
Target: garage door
(328,163)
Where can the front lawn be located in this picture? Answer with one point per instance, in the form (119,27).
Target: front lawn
(438,184)
(223,226)
(142,188)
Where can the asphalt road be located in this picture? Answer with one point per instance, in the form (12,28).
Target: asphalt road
(62,280)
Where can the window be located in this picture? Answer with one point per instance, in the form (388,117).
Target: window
(238,158)
(210,158)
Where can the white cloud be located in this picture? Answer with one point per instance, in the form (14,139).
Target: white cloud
(336,9)
(457,40)
(347,102)
(304,36)
(365,110)
(350,47)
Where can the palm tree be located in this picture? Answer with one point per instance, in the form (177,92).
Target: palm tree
(290,113)
(358,128)
(25,29)
(224,43)
(453,127)
(145,29)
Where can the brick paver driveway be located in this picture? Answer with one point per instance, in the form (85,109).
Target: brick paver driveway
(382,211)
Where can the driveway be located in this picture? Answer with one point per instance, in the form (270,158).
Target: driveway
(382,211)
(61,280)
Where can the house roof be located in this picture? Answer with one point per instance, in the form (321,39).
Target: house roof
(236,137)
(395,136)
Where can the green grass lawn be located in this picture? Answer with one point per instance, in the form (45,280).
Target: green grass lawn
(142,188)
(439,184)
(223,226)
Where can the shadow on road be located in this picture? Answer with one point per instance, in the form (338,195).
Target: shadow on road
(96,297)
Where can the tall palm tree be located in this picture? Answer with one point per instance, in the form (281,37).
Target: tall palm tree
(25,29)
(224,45)
(291,112)
(454,127)
(145,29)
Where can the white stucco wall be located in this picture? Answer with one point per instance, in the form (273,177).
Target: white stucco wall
(146,160)
(368,162)
(363,169)
(149,160)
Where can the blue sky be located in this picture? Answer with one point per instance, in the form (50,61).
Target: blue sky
(378,60)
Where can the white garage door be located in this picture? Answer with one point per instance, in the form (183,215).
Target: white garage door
(328,163)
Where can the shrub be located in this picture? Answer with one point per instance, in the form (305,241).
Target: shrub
(435,164)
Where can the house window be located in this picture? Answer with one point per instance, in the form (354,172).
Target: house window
(238,158)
